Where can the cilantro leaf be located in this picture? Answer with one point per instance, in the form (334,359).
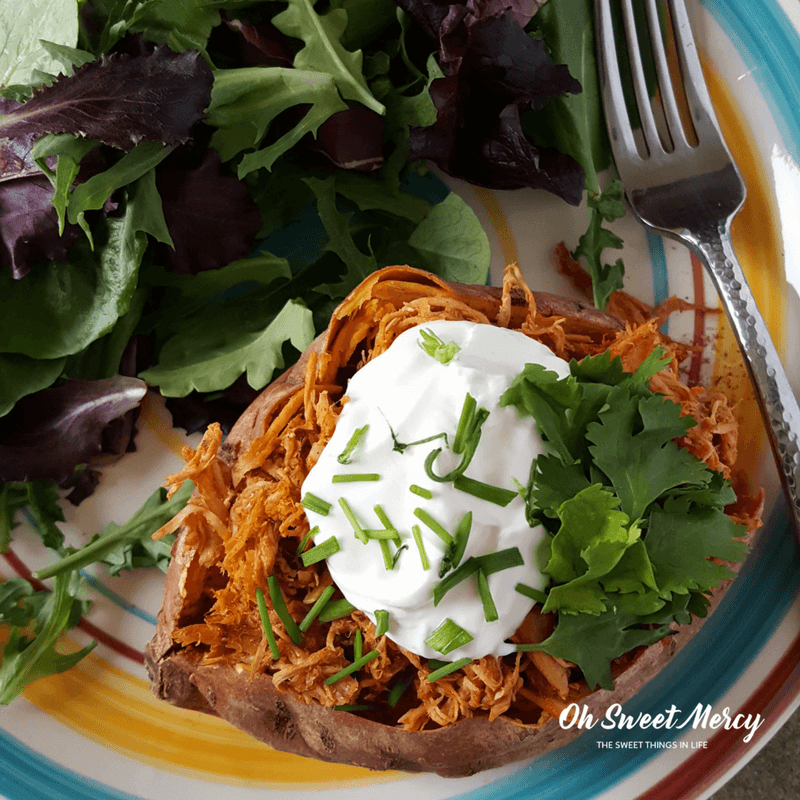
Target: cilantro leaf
(593,537)
(681,542)
(632,444)
(553,482)
(24,660)
(546,397)
(593,642)
(606,278)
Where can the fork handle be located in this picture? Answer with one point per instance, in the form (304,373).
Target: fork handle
(775,396)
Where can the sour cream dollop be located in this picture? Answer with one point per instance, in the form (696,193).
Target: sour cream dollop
(403,396)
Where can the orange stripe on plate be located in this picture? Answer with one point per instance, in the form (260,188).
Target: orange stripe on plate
(508,245)
(757,241)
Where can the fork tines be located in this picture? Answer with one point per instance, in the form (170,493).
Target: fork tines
(652,27)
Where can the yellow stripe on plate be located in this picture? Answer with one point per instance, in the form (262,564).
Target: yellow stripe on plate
(106,704)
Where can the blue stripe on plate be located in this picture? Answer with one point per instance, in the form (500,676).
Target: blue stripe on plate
(27,775)
(101,588)
(658,261)
(770,48)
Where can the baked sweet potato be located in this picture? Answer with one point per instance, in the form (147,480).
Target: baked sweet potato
(245,521)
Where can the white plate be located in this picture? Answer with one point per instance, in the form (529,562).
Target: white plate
(96,731)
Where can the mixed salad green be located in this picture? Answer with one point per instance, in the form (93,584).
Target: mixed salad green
(189,187)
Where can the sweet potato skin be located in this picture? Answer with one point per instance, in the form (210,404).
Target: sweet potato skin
(255,706)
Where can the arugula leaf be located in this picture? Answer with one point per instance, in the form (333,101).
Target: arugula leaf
(24,57)
(245,102)
(323,52)
(340,240)
(606,278)
(205,358)
(681,540)
(155,512)
(24,660)
(633,444)
(20,603)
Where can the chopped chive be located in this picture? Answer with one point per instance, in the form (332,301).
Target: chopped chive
(502,559)
(381,621)
(421,491)
(358,645)
(447,637)
(484,491)
(448,668)
(315,504)
(435,526)
(489,608)
(382,516)
(469,567)
(346,454)
(320,551)
(279,604)
(443,352)
(336,609)
(435,663)
(317,608)
(489,563)
(351,668)
(270,634)
(398,690)
(536,595)
(381,533)
(465,423)
(354,707)
(353,477)
(423,556)
(351,518)
(462,537)
(302,546)
(388,562)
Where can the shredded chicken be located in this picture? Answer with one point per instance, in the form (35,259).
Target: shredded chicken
(245,523)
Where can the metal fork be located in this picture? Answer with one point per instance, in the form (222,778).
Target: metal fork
(690,191)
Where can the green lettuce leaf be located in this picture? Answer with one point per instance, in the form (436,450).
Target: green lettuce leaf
(207,358)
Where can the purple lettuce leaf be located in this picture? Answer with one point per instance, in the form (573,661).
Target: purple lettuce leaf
(28,220)
(494,70)
(49,433)
(210,214)
(119,100)
(261,44)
